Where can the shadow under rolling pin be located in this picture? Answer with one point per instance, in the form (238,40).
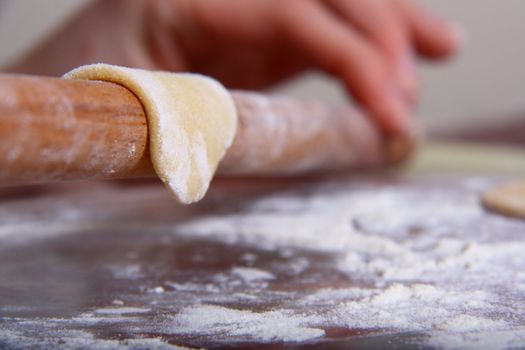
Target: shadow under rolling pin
(55,129)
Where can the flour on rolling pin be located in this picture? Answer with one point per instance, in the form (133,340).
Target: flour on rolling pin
(192,121)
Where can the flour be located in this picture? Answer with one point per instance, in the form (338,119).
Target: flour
(80,340)
(408,309)
(282,325)
(506,339)
(126,272)
(110,315)
(251,275)
(435,262)
(193,287)
(156,290)
(121,311)
(389,260)
(467,323)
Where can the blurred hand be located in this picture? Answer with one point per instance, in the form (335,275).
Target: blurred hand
(371,45)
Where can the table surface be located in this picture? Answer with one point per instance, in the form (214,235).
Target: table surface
(405,260)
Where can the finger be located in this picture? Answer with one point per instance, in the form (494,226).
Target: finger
(433,37)
(340,50)
(380,22)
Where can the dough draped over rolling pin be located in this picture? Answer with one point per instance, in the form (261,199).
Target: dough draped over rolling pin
(192,121)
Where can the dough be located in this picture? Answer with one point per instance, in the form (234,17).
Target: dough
(192,121)
(507,199)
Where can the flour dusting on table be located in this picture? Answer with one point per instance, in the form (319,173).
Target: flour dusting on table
(434,262)
(340,260)
(280,325)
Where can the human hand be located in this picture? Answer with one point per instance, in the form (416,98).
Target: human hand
(370,45)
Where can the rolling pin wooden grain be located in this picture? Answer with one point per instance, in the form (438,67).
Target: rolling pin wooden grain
(55,129)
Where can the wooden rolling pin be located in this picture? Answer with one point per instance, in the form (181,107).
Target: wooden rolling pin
(54,129)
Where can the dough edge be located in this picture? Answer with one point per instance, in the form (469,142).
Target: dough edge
(507,198)
(192,121)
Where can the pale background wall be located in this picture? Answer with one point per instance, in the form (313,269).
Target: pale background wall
(487,79)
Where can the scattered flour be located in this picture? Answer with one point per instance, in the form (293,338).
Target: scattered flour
(281,325)
(157,290)
(467,323)
(430,261)
(248,274)
(121,311)
(505,339)
(193,287)
(435,263)
(419,307)
(108,316)
(75,339)
(127,272)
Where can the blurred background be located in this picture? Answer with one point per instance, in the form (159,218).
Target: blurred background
(486,81)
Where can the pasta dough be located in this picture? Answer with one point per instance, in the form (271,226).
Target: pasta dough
(507,199)
(192,121)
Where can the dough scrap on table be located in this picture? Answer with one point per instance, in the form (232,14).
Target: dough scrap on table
(506,199)
(192,121)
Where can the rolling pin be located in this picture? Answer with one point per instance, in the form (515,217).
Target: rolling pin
(54,129)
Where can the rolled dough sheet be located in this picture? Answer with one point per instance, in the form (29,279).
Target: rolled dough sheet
(192,121)
(507,199)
